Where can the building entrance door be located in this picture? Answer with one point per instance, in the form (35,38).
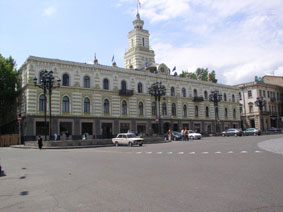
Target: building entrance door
(106,130)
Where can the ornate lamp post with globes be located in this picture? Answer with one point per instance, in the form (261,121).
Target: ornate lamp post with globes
(216,97)
(158,90)
(260,103)
(47,84)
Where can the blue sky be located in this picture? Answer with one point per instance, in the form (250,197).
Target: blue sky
(238,39)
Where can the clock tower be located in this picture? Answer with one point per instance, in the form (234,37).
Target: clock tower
(139,53)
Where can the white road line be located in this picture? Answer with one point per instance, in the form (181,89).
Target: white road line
(159,152)
(192,153)
(258,151)
(244,152)
(148,152)
(230,152)
(138,152)
(204,152)
(180,153)
(169,152)
(217,152)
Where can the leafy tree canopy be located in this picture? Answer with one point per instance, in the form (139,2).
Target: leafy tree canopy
(200,74)
(8,80)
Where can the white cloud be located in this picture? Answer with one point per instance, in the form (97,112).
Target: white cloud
(238,39)
(49,11)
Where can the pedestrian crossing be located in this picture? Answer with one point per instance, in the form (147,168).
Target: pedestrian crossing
(199,153)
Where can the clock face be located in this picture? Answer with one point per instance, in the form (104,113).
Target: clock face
(162,69)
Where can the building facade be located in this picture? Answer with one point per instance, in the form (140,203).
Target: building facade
(272,110)
(104,100)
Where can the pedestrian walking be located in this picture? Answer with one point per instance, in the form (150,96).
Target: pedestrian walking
(186,134)
(170,134)
(182,134)
(39,142)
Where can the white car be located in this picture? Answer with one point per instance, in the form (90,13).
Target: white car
(193,135)
(129,139)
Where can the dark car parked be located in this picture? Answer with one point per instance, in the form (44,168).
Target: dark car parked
(252,131)
(175,136)
(232,132)
(274,129)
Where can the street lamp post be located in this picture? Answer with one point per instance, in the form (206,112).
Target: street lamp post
(158,90)
(215,97)
(260,103)
(47,84)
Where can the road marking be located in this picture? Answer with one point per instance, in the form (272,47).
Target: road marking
(230,152)
(244,152)
(204,152)
(258,151)
(159,152)
(138,152)
(192,153)
(217,152)
(180,153)
(148,152)
(169,152)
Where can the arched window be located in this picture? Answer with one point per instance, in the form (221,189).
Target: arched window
(86,82)
(234,113)
(184,93)
(226,112)
(42,102)
(140,87)
(195,93)
(141,109)
(124,107)
(205,95)
(233,98)
(66,81)
(173,109)
(207,111)
(106,106)
(105,84)
(65,105)
(164,109)
(196,111)
(185,112)
(123,85)
(225,97)
(86,105)
(153,109)
(172,91)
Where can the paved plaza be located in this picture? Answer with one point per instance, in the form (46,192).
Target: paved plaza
(215,174)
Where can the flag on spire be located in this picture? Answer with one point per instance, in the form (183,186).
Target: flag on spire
(174,69)
(139,3)
(113,58)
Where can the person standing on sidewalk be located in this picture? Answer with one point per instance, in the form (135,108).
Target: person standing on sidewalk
(170,134)
(186,134)
(39,142)
(182,134)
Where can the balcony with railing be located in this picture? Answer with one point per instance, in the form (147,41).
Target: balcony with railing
(126,92)
(198,99)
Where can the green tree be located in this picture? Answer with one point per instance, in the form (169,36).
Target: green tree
(8,94)
(201,74)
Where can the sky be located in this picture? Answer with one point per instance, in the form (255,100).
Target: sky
(238,39)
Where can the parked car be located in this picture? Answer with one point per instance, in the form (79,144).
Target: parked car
(175,136)
(252,131)
(232,132)
(129,139)
(274,129)
(193,135)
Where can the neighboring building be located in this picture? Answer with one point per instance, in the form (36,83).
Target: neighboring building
(104,100)
(272,111)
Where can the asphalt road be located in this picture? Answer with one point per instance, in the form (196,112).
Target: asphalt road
(210,175)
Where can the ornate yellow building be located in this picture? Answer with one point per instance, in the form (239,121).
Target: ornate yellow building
(104,100)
